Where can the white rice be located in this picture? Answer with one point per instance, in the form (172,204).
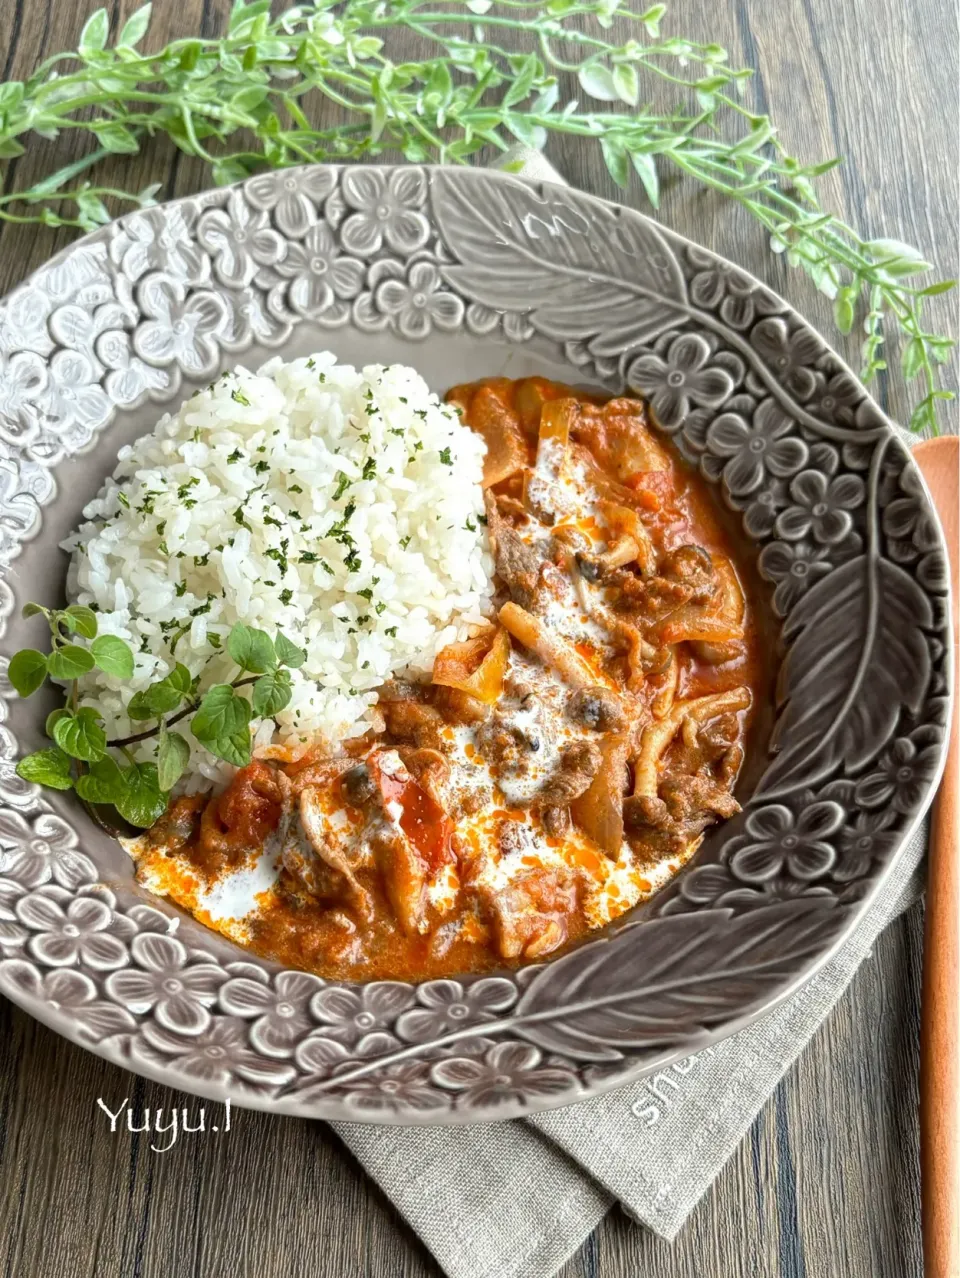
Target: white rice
(214,517)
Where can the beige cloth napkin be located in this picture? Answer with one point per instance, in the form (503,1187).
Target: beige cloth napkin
(515,1200)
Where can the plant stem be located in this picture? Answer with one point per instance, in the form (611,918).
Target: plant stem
(121,742)
(464,93)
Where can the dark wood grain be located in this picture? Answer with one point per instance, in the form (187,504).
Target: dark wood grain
(826,1184)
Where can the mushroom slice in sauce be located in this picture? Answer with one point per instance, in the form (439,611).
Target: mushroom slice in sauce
(316,848)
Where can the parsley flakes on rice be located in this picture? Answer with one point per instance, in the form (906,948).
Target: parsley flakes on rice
(338,505)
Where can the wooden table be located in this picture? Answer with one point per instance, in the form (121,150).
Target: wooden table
(873,80)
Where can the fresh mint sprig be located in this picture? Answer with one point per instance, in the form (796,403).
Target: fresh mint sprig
(105,771)
(245,101)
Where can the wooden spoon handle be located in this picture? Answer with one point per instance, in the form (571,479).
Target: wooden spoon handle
(939,1074)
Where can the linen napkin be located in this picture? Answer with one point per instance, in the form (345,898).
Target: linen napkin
(516,1199)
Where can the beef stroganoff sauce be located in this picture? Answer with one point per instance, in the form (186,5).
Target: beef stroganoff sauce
(557,768)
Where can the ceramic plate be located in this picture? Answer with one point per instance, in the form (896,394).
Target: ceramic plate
(466,273)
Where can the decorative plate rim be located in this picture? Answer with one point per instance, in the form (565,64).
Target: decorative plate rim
(750,394)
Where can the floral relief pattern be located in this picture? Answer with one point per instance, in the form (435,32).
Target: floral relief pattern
(46,848)
(127,378)
(254,317)
(756,447)
(717,887)
(387,211)
(292,199)
(778,840)
(321,1057)
(903,774)
(349,1016)
(317,273)
(76,329)
(12,933)
(509,1073)
(71,993)
(795,567)
(23,379)
(683,378)
(908,521)
(869,838)
(419,303)
(822,506)
(23,322)
(761,513)
(446,1005)
(159,239)
(218,1054)
(164,982)
(403,1087)
(834,396)
(240,240)
(81,930)
(172,294)
(281,1012)
(791,354)
(719,286)
(181,327)
(73,400)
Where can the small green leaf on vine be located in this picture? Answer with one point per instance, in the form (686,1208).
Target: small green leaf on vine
(271,693)
(27,671)
(49,767)
(161,697)
(69,662)
(113,656)
(141,801)
(222,725)
(81,620)
(80,734)
(103,783)
(252,649)
(173,755)
(288,654)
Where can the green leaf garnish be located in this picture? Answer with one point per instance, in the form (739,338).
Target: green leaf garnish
(135,27)
(141,801)
(288,654)
(251,649)
(163,696)
(117,138)
(113,656)
(179,679)
(47,767)
(69,662)
(173,755)
(81,734)
(271,693)
(222,725)
(103,783)
(52,718)
(27,670)
(93,37)
(80,619)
